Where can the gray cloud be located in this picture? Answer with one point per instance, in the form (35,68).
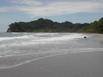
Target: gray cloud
(70,0)
(51,8)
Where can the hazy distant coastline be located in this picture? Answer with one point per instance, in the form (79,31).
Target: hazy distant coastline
(46,25)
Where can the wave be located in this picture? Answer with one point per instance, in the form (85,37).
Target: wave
(16,37)
(31,39)
(26,36)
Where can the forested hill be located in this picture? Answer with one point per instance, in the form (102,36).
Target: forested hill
(94,27)
(46,25)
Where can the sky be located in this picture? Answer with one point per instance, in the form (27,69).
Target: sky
(77,11)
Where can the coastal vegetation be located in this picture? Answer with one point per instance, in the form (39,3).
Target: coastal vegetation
(46,25)
(94,27)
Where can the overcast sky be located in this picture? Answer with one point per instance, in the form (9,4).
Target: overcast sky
(58,10)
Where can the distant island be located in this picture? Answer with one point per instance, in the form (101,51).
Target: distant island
(46,25)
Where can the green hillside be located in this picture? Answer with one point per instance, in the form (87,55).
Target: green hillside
(46,25)
(95,27)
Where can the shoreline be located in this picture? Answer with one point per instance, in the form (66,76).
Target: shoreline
(63,59)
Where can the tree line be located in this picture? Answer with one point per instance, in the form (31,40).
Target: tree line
(47,25)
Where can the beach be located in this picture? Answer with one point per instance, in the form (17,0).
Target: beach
(76,57)
(85,64)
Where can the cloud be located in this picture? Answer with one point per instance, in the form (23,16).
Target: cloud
(27,2)
(9,9)
(58,7)
(2,10)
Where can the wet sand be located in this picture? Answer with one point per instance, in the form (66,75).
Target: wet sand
(87,63)
(84,64)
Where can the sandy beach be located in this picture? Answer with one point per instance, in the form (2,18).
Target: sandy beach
(85,64)
(70,58)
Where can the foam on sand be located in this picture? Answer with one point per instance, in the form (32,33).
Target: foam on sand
(39,40)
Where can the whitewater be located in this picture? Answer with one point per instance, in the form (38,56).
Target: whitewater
(20,48)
